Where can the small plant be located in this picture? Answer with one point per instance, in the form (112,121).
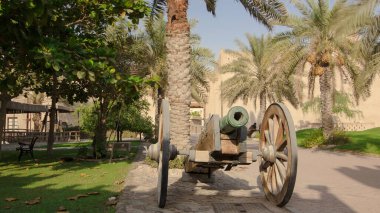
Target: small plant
(315,139)
(150,162)
(338,137)
(177,163)
(195,113)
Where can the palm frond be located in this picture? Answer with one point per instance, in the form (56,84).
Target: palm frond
(265,11)
(210,5)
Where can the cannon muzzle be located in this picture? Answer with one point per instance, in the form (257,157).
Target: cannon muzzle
(236,117)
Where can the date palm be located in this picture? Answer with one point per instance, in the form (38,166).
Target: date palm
(178,59)
(256,76)
(326,39)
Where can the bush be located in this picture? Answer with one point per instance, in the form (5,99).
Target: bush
(314,139)
(338,137)
(82,152)
(177,163)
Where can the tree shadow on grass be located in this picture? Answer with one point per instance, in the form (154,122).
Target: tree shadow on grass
(52,195)
(55,181)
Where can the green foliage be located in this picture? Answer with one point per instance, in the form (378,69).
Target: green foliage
(201,59)
(88,119)
(342,106)
(56,181)
(83,152)
(338,137)
(177,163)
(267,13)
(255,74)
(310,138)
(195,113)
(132,117)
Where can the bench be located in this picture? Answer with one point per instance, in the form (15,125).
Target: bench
(26,148)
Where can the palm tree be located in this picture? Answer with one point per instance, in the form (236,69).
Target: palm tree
(326,39)
(371,52)
(256,75)
(201,62)
(178,59)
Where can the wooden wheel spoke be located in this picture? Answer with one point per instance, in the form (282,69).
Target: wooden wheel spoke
(269,179)
(271,130)
(279,178)
(264,165)
(267,136)
(276,128)
(281,145)
(281,168)
(280,133)
(282,156)
(274,181)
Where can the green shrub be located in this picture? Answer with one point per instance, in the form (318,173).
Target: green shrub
(338,137)
(82,152)
(314,139)
(177,163)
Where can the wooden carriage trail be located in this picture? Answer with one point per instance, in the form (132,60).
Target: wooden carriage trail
(326,182)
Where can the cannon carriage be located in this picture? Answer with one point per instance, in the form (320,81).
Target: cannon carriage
(223,145)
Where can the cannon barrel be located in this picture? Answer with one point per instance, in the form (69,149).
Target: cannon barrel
(236,117)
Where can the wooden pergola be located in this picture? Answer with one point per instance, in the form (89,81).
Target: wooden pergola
(22,108)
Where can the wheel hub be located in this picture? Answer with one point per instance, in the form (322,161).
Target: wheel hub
(269,153)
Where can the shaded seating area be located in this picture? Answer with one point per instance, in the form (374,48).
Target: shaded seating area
(26,148)
(24,130)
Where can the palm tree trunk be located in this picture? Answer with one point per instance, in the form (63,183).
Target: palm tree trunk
(326,89)
(4,99)
(178,59)
(263,107)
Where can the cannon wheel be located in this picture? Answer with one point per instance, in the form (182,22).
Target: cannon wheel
(163,164)
(278,146)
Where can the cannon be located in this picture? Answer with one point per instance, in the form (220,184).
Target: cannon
(222,144)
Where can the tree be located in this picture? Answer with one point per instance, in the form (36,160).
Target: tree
(201,63)
(370,48)
(201,59)
(63,42)
(257,75)
(130,117)
(326,39)
(178,58)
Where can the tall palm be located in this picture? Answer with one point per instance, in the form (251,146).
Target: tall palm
(326,39)
(371,52)
(178,59)
(201,62)
(256,75)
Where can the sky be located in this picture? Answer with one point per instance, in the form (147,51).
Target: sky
(231,22)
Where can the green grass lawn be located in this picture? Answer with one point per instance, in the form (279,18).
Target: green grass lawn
(367,141)
(55,181)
